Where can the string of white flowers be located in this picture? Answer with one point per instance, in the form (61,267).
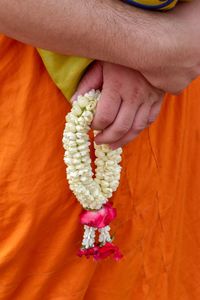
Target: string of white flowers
(88,237)
(91,190)
(104,235)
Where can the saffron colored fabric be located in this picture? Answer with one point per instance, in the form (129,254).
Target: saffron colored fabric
(158,200)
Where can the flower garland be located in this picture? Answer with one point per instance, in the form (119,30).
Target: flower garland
(91,191)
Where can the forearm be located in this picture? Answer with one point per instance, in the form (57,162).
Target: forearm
(107,30)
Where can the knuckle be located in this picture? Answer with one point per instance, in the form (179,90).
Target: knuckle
(103,120)
(160,97)
(116,86)
(112,89)
(137,127)
(137,92)
(121,130)
(152,97)
(152,119)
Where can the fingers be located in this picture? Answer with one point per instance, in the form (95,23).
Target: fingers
(140,123)
(154,112)
(131,119)
(141,119)
(124,110)
(107,107)
(121,125)
(144,117)
(93,79)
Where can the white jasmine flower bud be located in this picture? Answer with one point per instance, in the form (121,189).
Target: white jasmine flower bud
(72,143)
(105,148)
(82,135)
(104,184)
(70,127)
(80,128)
(110,163)
(88,116)
(83,101)
(80,141)
(84,152)
(76,110)
(71,119)
(99,162)
(83,147)
(68,161)
(72,150)
(77,155)
(91,192)
(70,136)
(99,153)
(91,106)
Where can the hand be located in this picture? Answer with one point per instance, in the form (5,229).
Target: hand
(178,61)
(128,103)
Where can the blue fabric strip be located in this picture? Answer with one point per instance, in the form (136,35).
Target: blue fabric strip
(151,7)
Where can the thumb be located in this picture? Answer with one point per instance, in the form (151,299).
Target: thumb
(93,79)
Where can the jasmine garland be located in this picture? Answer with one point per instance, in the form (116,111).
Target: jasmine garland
(91,190)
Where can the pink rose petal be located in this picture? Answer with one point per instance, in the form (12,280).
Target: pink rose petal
(98,253)
(99,218)
(88,252)
(109,249)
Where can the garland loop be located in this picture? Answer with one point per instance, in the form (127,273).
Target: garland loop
(91,190)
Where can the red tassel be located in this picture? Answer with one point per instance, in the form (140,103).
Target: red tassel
(101,252)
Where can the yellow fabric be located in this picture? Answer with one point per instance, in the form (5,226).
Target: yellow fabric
(66,71)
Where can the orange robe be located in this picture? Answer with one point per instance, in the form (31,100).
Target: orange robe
(158,201)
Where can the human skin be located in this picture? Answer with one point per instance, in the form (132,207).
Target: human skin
(112,31)
(128,103)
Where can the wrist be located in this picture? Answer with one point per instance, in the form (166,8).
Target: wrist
(144,37)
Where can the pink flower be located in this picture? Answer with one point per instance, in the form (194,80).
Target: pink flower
(88,252)
(109,249)
(99,218)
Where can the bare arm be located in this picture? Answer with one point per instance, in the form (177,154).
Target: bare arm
(107,30)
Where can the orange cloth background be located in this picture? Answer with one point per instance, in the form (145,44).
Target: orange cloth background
(158,200)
